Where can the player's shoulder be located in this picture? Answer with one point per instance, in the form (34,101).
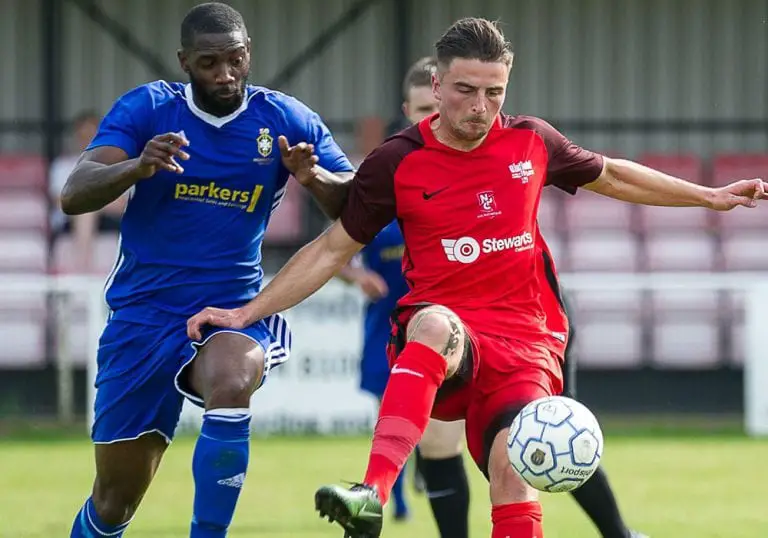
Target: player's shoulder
(154,95)
(530,123)
(551,137)
(385,160)
(398,145)
(281,104)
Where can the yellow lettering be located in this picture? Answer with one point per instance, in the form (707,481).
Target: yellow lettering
(194,190)
(392,253)
(255,195)
(181,190)
(235,196)
(225,195)
(214,190)
(243,197)
(203,189)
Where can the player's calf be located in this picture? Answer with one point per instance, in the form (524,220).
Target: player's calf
(225,373)
(445,478)
(516,512)
(433,350)
(435,342)
(442,440)
(124,471)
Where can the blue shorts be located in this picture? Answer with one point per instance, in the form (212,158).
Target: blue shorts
(374,373)
(140,381)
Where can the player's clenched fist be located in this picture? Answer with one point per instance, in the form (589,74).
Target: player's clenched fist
(235,318)
(161,153)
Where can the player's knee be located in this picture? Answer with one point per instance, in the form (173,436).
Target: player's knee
(228,370)
(230,391)
(506,485)
(431,329)
(441,330)
(114,505)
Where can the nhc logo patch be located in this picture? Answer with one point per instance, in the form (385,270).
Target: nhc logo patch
(487,202)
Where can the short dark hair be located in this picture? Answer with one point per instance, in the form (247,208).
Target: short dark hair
(210,18)
(419,75)
(86,116)
(473,38)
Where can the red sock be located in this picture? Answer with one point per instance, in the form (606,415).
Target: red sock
(404,413)
(517,520)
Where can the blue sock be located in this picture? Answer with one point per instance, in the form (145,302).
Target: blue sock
(398,495)
(219,466)
(88,524)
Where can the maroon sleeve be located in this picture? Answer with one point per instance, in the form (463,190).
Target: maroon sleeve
(569,166)
(371,203)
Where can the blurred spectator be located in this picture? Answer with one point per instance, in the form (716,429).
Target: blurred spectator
(84,228)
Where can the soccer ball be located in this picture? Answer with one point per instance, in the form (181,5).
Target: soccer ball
(555,444)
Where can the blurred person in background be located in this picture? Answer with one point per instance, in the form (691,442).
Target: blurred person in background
(83,228)
(377,271)
(595,496)
(207,163)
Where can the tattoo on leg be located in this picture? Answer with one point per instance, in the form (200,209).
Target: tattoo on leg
(452,344)
(453,339)
(413,326)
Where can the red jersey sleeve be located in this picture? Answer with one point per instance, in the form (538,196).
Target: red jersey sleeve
(570,166)
(371,202)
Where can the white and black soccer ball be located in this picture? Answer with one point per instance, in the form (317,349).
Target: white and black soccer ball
(555,444)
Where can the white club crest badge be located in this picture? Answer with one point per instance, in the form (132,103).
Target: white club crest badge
(264,142)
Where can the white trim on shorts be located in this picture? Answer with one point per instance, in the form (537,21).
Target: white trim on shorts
(142,434)
(276,353)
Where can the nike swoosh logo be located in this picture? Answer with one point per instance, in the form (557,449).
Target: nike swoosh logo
(427,195)
(440,493)
(366,514)
(399,370)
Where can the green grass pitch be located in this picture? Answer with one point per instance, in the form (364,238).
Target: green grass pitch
(669,487)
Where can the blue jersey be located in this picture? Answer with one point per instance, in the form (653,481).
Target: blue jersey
(194,240)
(384,256)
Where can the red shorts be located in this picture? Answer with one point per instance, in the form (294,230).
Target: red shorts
(500,376)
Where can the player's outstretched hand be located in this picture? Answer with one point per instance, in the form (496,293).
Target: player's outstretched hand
(745,193)
(300,160)
(235,318)
(372,285)
(161,153)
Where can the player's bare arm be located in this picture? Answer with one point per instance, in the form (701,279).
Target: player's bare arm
(305,273)
(329,189)
(103,174)
(635,183)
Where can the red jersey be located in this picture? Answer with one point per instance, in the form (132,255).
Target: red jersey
(469,220)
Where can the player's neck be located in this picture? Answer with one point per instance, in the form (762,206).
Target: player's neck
(212,109)
(446,136)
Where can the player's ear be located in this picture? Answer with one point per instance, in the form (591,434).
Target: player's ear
(182,56)
(248,46)
(436,86)
(405,108)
